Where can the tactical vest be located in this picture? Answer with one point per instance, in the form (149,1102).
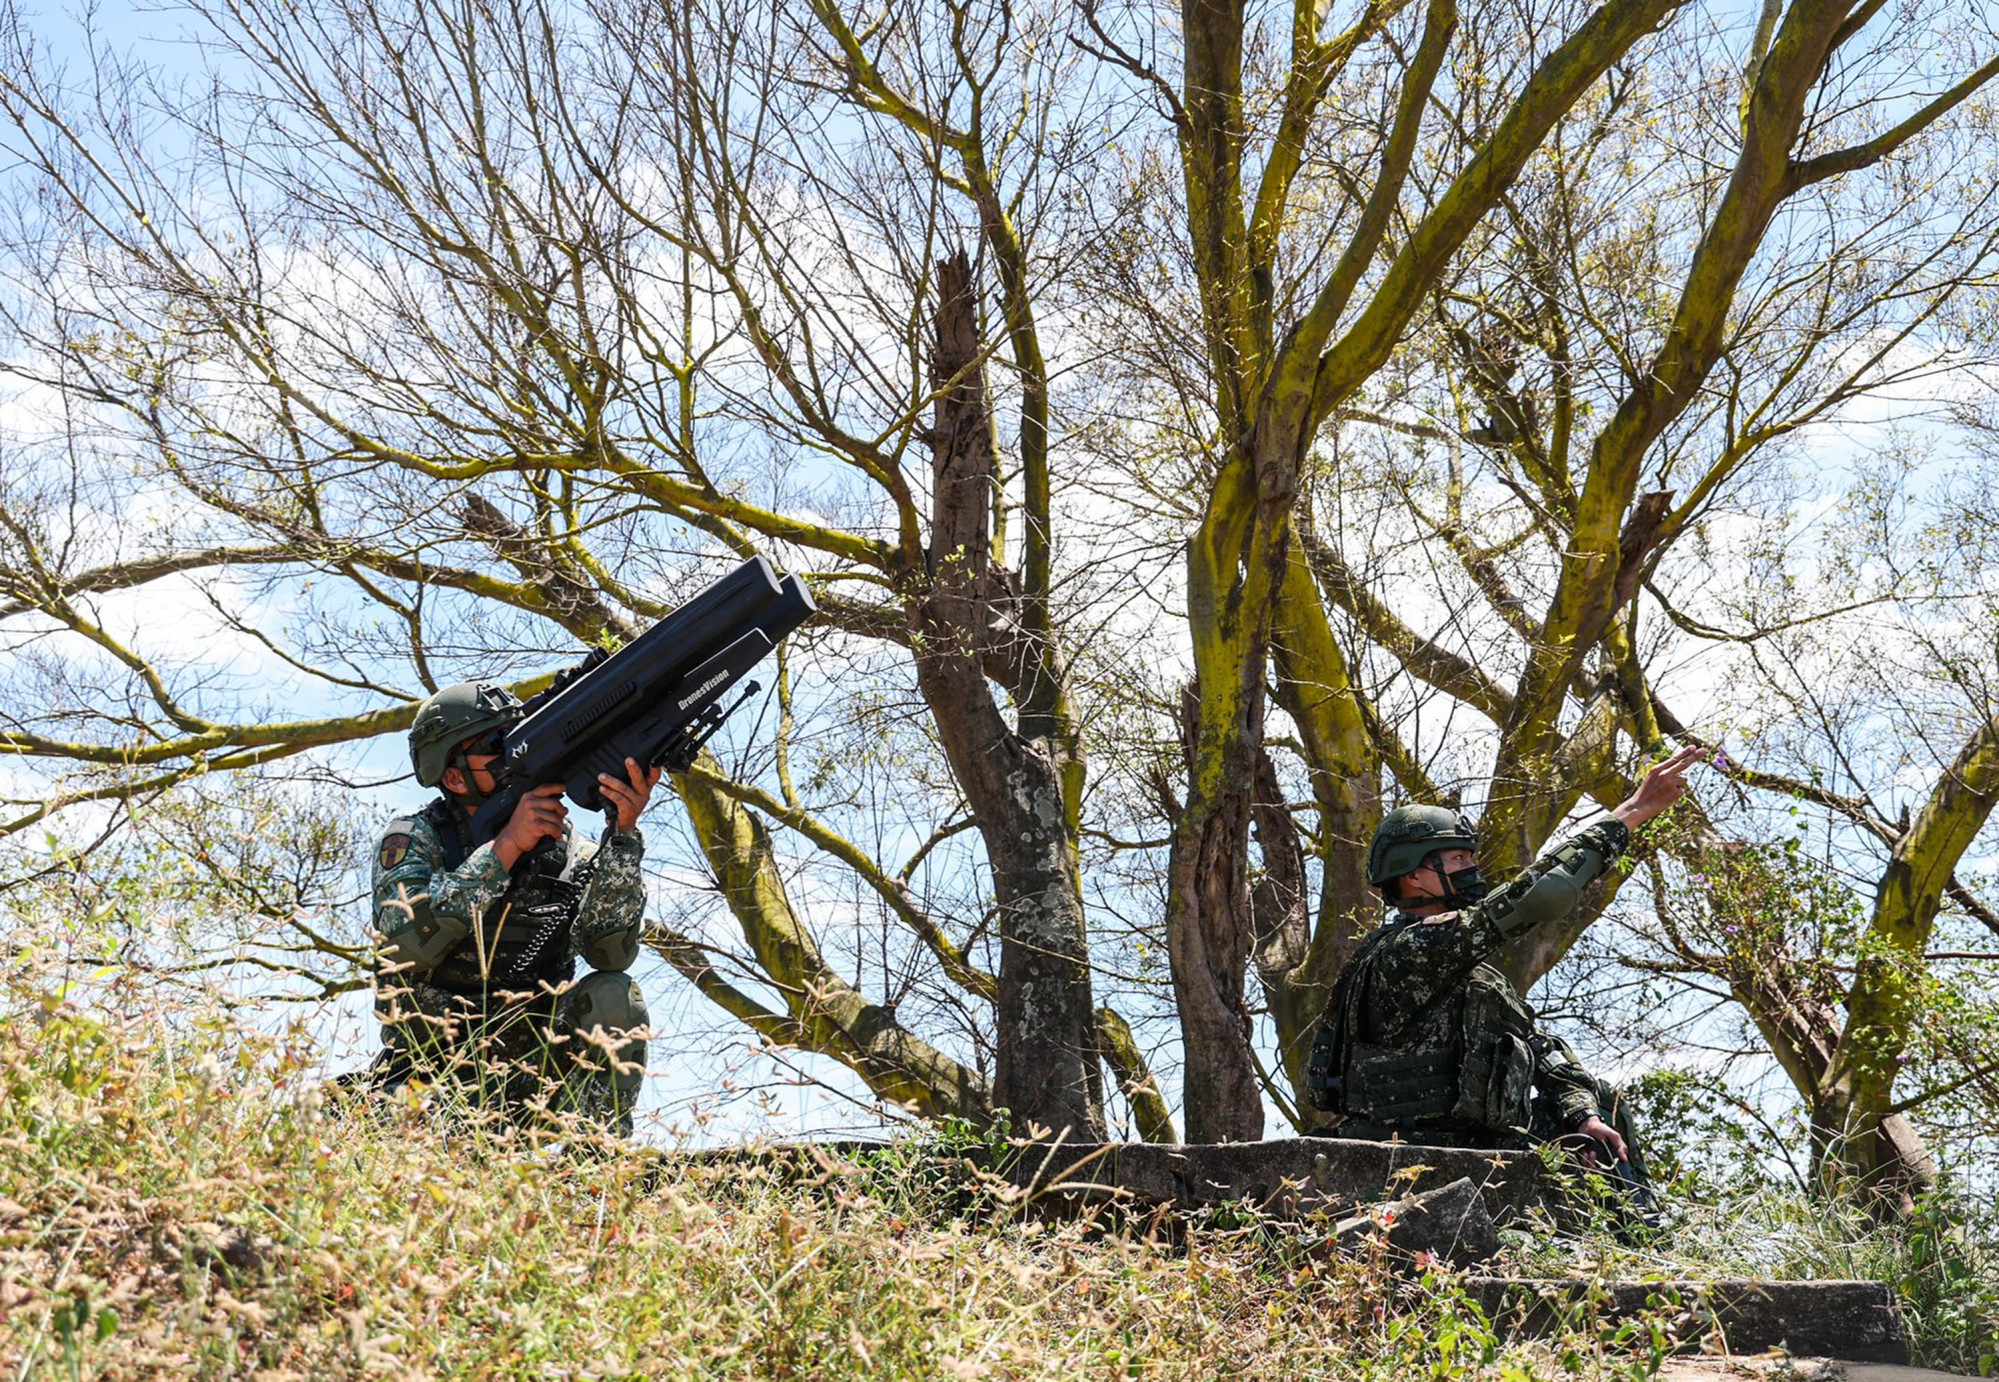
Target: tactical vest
(525,932)
(1475,1069)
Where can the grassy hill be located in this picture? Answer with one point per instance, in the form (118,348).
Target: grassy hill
(185,1202)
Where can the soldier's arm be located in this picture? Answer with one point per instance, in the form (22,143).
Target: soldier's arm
(1553,884)
(609,918)
(1560,1076)
(423,911)
(1437,955)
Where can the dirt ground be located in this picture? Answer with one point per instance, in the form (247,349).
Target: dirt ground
(1794,1370)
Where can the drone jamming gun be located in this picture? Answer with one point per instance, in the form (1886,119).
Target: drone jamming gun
(658,699)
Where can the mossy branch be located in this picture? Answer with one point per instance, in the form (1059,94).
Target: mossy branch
(893,891)
(1134,1077)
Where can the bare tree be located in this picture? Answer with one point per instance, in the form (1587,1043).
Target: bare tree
(490,312)
(1821,270)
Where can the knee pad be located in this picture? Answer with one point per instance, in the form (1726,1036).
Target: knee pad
(604,999)
(612,1002)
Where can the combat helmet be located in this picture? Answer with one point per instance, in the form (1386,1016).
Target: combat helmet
(452,716)
(1410,834)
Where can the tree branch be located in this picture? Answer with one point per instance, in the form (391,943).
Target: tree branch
(1859,156)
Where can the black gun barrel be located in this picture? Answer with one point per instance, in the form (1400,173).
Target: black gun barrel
(656,699)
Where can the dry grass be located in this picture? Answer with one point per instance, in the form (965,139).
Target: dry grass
(189,1206)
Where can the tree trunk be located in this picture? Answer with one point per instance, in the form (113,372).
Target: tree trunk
(1209,928)
(1208,925)
(1023,784)
(1862,1140)
(1315,688)
(1861,1148)
(1584,764)
(1048,1070)
(1280,910)
(1876,1160)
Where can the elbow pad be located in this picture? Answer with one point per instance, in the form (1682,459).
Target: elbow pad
(1553,886)
(607,930)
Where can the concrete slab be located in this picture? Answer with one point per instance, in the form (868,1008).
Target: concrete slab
(1287,1178)
(1450,1223)
(1849,1320)
(1778,1368)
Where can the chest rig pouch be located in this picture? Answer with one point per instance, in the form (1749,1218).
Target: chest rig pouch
(1330,1079)
(1495,1085)
(1391,1084)
(1473,1067)
(522,939)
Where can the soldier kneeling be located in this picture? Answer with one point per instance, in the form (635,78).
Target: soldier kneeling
(475,978)
(1426,1042)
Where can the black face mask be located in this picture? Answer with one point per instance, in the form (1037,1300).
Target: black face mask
(1464,886)
(489,743)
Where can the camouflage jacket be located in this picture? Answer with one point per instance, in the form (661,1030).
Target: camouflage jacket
(432,917)
(1422,1030)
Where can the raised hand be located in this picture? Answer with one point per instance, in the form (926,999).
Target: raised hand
(1664,784)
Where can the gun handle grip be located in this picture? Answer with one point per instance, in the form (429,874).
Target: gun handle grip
(491,818)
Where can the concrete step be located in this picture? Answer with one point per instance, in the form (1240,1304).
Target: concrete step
(1848,1320)
(1774,1367)
(1286,1178)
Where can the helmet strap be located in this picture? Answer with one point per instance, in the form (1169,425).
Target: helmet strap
(1462,887)
(472,798)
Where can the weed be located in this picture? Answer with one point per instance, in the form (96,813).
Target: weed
(179,1196)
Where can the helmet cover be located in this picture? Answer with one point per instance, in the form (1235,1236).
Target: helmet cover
(449,718)
(1410,834)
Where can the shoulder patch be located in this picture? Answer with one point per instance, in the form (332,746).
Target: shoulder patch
(394,849)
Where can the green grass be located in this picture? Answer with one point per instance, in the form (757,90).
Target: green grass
(186,1203)
(1943,1264)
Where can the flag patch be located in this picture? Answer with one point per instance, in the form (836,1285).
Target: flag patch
(394,850)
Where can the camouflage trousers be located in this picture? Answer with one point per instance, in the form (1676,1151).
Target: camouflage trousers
(575,1049)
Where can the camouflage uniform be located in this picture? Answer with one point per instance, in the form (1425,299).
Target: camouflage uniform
(475,974)
(1426,1041)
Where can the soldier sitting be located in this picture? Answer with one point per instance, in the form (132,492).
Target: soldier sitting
(475,970)
(1425,1041)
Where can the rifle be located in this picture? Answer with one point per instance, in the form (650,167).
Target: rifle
(658,699)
